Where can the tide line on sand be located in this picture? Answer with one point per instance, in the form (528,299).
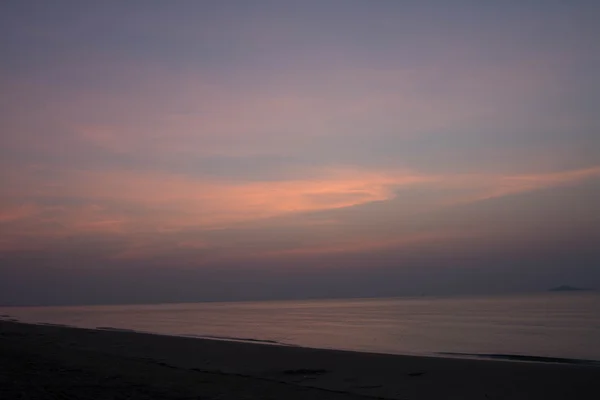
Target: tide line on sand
(44,361)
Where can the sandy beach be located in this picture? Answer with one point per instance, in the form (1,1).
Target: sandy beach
(55,362)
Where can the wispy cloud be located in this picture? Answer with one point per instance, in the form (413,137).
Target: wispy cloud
(486,187)
(94,146)
(207,201)
(10,213)
(131,206)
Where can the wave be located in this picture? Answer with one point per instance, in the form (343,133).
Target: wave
(196,336)
(524,358)
(110,328)
(239,339)
(52,324)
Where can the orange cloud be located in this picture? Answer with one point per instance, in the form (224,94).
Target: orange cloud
(176,201)
(168,203)
(131,205)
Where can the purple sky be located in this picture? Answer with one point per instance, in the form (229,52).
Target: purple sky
(223,150)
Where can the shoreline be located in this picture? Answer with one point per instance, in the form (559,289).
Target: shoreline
(499,357)
(287,371)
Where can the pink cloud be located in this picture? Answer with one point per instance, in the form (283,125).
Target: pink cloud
(485,187)
(208,202)
(9,213)
(169,203)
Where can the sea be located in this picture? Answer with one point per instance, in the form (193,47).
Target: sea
(545,326)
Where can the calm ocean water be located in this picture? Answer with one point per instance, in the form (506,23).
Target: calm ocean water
(565,325)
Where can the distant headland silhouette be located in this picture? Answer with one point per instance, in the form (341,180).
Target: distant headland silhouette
(566,288)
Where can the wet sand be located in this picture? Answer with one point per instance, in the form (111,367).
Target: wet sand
(55,362)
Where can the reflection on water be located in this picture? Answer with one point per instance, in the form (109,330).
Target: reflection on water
(565,325)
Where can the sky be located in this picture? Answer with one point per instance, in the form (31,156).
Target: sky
(164,151)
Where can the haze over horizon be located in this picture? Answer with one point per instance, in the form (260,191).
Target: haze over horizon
(181,151)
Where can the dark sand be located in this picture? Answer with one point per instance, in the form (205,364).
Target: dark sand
(54,362)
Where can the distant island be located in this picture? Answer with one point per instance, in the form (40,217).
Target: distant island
(566,288)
